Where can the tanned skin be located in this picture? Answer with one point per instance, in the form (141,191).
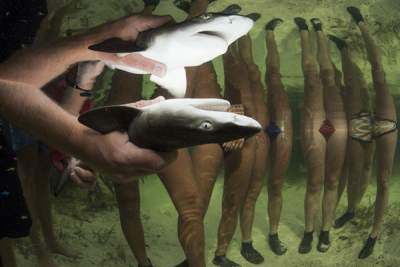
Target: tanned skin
(359,154)
(34,164)
(243,179)
(281,146)
(261,139)
(25,105)
(336,144)
(386,144)
(313,142)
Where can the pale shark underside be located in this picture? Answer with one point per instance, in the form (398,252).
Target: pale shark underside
(174,123)
(187,44)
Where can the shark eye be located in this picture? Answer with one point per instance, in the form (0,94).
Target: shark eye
(206,125)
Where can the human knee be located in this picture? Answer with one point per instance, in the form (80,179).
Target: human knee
(192,209)
(331,184)
(273,71)
(328,76)
(383,183)
(251,198)
(314,187)
(275,188)
(231,206)
(309,66)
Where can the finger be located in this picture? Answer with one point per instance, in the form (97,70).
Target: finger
(78,180)
(85,166)
(143,23)
(145,159)
(169,156)
(85,175)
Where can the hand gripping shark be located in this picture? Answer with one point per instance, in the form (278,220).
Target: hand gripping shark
(186,44)
(173,123)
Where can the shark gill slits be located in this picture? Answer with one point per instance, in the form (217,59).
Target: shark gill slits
(211,33)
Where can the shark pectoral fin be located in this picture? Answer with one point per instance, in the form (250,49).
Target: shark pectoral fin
(116,45)
(110,118)
(174,81)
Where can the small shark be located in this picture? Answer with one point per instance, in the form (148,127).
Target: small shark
(173,123)
(186,44)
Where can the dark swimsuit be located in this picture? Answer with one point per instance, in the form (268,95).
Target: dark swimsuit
(273,130)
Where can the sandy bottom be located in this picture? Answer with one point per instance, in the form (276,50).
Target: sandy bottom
(90,224)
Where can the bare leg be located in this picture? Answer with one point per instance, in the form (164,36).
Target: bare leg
(179,180)
(128,198)
(336,143)
(207,160)
(27,159)
(313,142)
(44,206)
(7,257)
(343,177)
(255,185)
(281,145)
(357,98)
(258,172)
(386,143)
(197,8)
(127,88)
(239,163)
(238,167)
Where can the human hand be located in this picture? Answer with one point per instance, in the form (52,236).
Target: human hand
(81,174)
(238,143)
(127,29)
(233,145)
(115,155)
(87,73)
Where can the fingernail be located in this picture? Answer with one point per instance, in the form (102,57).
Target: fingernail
(159,70)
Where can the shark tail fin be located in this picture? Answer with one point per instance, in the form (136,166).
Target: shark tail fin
(110,118)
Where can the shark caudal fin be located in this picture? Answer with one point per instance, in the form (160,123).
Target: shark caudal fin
(110,118)
(174,81)
(116,45)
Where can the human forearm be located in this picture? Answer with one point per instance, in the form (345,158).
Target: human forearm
(40,116)
(37,66)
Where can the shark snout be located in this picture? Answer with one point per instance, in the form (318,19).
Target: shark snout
(244,125)
(236,127)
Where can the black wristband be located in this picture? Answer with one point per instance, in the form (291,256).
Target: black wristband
(74,85)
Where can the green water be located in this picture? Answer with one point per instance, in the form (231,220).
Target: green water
(90,224)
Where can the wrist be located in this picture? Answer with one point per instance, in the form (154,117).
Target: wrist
(79,142)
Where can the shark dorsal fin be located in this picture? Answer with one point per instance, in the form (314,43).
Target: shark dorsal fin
(109,118)
(116,45)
